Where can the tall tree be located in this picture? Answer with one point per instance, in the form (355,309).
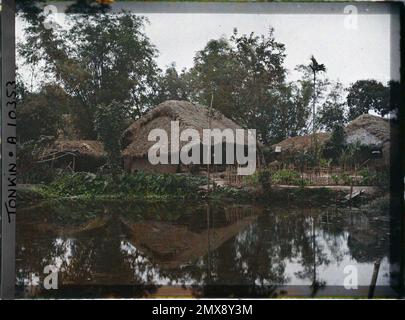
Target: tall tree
(109,123)
(246,77)
(37,114)
(332,111)
(335,145)
(290,111)
(173,86)
(214,73)
(366,95)
(99,59)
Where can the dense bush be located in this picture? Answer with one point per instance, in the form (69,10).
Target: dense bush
(88,184)
(37,114)
(109,123)
(230,193)
(366,177)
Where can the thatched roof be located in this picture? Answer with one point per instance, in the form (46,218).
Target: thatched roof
(368,130)
(91,148)
(300,143)
(189,115)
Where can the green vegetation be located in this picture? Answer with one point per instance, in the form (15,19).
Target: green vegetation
(261,178)
(37,115)
(290,177)
(140,186)
(101,74)
(109,58)
(229,193)
(365,95)
(364,177)
(102,59)
(374,178)
(367,177)
(335,145)
(109,123)
(144,185)
(332,111)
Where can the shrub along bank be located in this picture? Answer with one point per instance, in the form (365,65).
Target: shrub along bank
(169,186)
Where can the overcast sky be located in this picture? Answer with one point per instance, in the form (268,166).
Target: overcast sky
(349,54)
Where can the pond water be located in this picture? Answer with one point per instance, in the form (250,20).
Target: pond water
(136,248)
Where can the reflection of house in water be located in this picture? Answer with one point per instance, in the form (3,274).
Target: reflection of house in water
(155,244)
(233,250)
(175,245)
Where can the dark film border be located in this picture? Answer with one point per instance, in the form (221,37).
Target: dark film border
(8,149)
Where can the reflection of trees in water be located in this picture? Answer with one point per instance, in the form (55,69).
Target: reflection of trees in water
(263,249)
(312,254)
(91,264)
(258,258)
(32,257)
(331,231)
(239,257)
(242,266)
(368,238)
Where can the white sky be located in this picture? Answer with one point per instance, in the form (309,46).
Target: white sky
(349,54)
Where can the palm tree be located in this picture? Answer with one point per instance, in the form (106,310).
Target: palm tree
(315,67)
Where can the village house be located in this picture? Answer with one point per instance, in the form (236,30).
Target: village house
(189,116)
(78,155)
(290,147)
(373,132)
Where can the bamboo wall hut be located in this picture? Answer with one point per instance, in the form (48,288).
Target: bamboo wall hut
(78,155)
(190,116)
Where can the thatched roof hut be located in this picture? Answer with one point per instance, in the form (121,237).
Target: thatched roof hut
(294,145)
(373,131)
(368,130)
(189,115)
(91,148)
(80,155)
